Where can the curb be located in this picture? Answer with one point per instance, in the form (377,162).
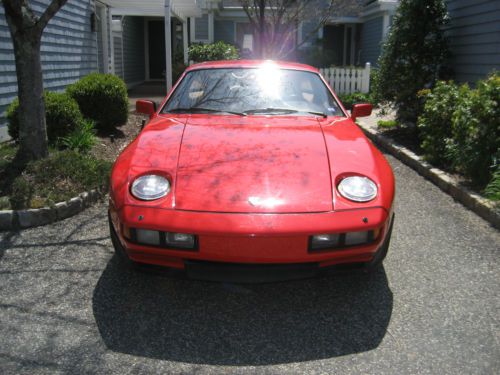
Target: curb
(473,201)
(22,219)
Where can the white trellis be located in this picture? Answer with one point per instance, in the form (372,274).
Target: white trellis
(347,80)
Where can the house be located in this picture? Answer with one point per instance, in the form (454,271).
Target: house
(474,35)
(127,38)
(74,43)
(84,36)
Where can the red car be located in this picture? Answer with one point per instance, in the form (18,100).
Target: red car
(251,171)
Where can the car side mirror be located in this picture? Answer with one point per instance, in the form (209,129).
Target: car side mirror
(146,107)
(361,110)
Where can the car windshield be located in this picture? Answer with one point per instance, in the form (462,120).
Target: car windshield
(265,90)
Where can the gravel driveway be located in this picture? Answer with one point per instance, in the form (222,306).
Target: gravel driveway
(66,305)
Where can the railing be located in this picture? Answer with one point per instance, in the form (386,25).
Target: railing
(348,80)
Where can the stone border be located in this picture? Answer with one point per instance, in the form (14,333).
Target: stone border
(473,201)
(21,219)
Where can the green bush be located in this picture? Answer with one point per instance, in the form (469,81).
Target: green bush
(435,122)
(82,138)
(211,52)
(61,112)
(348,100)
(475,145)
(413,55)
(492,191)
(61,176)
(102,98)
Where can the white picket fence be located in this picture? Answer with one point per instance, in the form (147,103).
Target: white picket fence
(347,80)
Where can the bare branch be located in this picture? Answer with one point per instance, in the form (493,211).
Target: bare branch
(51,10)
(275,22)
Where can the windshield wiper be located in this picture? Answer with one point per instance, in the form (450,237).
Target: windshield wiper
(281,110)
(201,109)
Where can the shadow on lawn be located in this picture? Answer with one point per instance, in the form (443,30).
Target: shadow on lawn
(227,324)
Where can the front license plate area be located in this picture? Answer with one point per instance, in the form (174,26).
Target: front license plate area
(249,273)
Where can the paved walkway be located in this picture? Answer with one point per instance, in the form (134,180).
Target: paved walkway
(148,90)
(371,121)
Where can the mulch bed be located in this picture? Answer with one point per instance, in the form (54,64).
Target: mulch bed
(404,136)
(109,145)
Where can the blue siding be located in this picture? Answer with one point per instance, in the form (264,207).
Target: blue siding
(68,51)
(133,50)
(118,47)
(201,28)
(474,33)
(371,40)
(224,30)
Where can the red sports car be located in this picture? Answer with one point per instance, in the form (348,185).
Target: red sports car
(251,171)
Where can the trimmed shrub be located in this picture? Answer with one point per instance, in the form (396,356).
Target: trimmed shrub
(435,122)
(61,112)
(475,148)
(102,98)
(211,52)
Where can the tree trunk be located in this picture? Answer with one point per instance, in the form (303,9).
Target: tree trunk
(33,135)
(262,29)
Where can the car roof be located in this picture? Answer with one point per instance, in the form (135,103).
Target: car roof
(251,64)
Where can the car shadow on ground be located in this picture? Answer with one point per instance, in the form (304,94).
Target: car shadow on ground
(227,324)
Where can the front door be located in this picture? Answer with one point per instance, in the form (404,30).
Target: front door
(156,44)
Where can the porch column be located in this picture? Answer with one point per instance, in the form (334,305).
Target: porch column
(168,46)
(185,40)
(210,27)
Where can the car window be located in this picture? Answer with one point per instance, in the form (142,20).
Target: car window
(252,90)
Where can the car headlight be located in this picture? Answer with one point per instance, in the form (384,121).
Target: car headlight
(150,187)
(357,189)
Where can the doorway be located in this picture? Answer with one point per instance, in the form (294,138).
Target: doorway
(156,49)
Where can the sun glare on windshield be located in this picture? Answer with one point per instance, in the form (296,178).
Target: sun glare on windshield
(268,77)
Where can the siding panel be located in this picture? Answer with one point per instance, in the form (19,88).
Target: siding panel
(224,31)
(371,40)
(201,27)
(133,50)
(474,33)
(68,51)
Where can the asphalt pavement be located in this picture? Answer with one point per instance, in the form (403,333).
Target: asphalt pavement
(68,306)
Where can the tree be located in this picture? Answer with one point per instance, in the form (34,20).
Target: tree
(275,23)
(413,56)
(26,30)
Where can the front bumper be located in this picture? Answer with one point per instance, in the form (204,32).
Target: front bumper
(250,240)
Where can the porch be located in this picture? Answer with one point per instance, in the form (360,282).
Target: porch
(149,38)
(152,90)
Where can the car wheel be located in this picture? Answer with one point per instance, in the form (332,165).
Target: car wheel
(119,250)
(382,252)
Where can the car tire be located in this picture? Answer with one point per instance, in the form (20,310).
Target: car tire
(119,250)
(377,261)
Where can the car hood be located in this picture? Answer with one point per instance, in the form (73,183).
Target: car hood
(245,165)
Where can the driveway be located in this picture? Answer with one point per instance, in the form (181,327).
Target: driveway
(66,305)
